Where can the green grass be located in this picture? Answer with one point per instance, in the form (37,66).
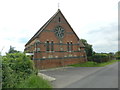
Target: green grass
(94,64)
(35,82)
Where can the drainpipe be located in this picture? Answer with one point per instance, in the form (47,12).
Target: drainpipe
(36,43)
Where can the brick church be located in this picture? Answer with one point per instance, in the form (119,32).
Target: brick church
(56,44)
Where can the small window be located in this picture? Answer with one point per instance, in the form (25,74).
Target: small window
(52,46)
(71,46)
(59,19)
(47,46)
(68,46)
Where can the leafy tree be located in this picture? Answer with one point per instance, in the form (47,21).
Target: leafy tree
(117,55)
(111,55)
(12,50)
(88,48)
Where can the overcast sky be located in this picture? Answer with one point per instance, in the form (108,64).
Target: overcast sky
(93,20)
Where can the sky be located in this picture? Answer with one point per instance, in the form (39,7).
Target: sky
(93,20)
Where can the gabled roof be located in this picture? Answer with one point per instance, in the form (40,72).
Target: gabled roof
(38,32)
(42,28)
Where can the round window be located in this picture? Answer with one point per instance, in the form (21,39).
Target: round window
(59,32)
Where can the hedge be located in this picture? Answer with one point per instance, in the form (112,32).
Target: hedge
(118,57)
(15,68)
(99,58)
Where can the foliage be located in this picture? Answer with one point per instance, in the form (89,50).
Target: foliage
(35,82)
(101,57)
(90,58)
(117,55)
(94,64)
(12,50)
(15,68)
(97,57)
(88,48)
(0,71)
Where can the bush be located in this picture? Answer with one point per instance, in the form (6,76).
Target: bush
(99,58)
(90,58)
(15,68)
(118,57)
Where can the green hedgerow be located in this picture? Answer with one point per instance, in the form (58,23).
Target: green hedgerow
(16,67)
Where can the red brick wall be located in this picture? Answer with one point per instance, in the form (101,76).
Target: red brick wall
(43,64)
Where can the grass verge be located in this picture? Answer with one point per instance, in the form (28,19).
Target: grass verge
(94,64)
(35,82)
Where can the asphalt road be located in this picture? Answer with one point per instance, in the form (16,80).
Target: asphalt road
(104,78)
(85,77)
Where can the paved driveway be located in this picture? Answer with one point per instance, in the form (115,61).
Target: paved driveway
(66,76)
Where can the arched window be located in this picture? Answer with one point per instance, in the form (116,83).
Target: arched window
(71,46)
(68,46)
(59,19)
(47,46)
(52,46)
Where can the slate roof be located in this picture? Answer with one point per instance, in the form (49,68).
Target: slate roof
(42,28)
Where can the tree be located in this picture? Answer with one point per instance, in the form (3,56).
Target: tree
(117,55)
(12,50)
(88,48)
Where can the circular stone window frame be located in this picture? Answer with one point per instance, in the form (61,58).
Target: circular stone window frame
(63,32)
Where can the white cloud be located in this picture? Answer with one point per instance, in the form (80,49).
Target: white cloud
(104,39)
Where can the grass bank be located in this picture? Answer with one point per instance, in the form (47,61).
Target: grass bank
(35,82)
(94,64)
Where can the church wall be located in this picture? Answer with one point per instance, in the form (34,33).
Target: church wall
(43,64)
(60,56)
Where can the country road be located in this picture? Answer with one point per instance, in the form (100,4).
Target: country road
(85,77)
(105,78)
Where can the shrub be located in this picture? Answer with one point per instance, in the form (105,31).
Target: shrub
(118,57)
(90,58)
(15,68)
(99,58)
